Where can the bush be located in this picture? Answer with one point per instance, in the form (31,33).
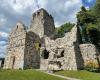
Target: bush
(91,65)
(20,69)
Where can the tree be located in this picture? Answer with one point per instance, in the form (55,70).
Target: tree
(60,31)
(96,8)
(96,11)
(93,33)
(84,17)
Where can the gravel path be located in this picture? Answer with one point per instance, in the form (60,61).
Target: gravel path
(64,77)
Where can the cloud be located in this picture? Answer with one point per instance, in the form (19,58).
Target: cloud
(11,11)
(3,34)
(3,51)
(62,10)
(2,20)
(2,55)
(3,46)
(3,43)
(17,6)
(3,40)
(3,37)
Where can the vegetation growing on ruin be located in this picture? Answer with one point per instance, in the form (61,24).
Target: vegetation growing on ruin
(91,65)
(37,45)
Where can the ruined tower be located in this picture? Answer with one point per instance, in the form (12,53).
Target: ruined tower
(42,23)
(23,45)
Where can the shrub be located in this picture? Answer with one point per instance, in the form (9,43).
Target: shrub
(20,69)
(91,65)
(37,46)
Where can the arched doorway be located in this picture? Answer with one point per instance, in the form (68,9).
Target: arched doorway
(12,61)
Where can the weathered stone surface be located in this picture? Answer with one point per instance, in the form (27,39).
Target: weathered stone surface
(32,55)
(42,23)
(16,46)
(89,52)
(21,51)
(0,63)
(64,53)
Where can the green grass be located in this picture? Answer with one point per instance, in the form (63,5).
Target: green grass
(26,75)
(84,75)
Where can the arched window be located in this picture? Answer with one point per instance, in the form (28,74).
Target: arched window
(62,53)
(17,26)
(39,45)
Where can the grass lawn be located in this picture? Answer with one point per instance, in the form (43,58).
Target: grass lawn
(84,75)
(25,75)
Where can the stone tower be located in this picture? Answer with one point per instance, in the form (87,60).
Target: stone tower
(42,23)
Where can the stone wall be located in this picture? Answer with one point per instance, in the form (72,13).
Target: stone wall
(89,53)
(64,53)
(32,55)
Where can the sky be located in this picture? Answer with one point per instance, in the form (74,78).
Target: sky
(88,3)
(12,11)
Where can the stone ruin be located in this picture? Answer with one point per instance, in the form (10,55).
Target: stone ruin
(37,48)
(64,53)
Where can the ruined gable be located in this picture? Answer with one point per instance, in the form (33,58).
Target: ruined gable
(21,52)
(16,46)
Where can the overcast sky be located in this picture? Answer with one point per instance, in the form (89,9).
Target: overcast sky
(12,11)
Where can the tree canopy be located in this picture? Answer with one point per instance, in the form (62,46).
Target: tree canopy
(89,22)
(60,31)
